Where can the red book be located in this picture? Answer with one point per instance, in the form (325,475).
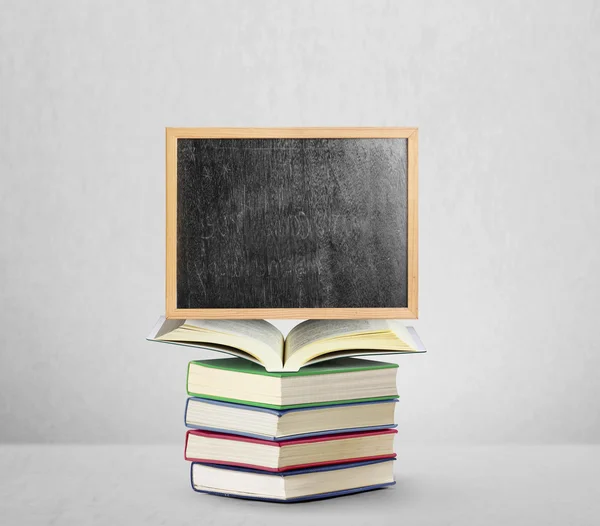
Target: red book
(220,448)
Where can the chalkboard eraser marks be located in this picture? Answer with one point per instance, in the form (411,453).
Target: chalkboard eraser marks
(309,343)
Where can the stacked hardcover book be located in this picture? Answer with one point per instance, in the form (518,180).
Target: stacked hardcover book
(290,420)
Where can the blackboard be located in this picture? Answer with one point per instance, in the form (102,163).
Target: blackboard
(301,226)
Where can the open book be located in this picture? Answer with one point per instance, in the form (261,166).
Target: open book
(309,342)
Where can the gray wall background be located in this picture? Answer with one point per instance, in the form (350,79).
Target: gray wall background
(506,98)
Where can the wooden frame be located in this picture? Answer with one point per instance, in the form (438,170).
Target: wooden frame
(173,134)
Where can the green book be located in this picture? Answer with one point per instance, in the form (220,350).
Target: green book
(338,381)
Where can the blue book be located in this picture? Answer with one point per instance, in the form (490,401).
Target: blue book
(287,424)
(292,486)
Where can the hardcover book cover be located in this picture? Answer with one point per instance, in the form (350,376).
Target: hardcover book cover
(293,473)
(288,443)
(339,365)
(282,412)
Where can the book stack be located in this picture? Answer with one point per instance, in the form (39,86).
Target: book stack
(316,423)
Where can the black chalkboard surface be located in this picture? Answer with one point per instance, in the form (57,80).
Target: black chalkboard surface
(285,223)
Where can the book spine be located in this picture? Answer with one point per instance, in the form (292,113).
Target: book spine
(187,379)
(187,437)
(185,422)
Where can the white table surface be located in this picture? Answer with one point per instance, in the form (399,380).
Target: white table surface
(149,485)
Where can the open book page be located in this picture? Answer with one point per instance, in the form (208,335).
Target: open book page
(352,354)
(408,335)
(314,338)
(258,338)
(315,330)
